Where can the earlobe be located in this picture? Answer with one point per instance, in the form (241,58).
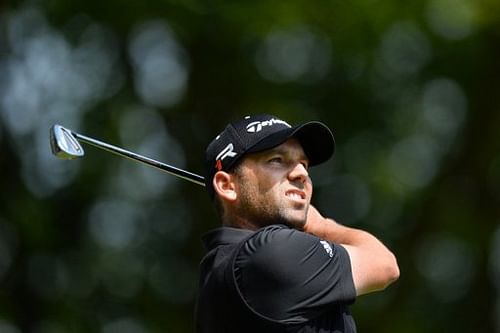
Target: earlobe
(224,186)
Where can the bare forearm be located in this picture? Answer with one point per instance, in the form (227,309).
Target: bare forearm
(374,265)
(332,231)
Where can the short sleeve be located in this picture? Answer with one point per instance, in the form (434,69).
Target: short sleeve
(291,276)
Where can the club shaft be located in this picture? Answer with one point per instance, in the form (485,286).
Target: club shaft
(194,178)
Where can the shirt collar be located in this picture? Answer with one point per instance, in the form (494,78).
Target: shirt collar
(224,236)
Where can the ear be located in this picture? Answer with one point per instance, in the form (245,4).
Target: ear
(224,186)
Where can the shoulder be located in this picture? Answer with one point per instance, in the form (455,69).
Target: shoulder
(275,235)
(277,268)
(278,251)
(278,240)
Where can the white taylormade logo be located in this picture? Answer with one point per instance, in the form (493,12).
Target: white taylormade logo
(256,126)
(228,151)
(328,248)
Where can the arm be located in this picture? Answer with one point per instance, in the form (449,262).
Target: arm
(373,266)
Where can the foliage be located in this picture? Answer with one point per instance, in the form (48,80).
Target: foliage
(103,244)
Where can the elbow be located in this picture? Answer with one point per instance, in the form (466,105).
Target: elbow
(391,271)
(388,273)
(382,275)
(373,270)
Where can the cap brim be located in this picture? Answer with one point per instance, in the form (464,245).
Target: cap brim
(315,137)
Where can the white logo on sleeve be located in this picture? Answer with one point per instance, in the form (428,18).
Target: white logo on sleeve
(328,248)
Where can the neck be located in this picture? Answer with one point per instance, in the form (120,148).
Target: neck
(238,222)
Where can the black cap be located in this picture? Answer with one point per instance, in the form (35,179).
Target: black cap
(261,132)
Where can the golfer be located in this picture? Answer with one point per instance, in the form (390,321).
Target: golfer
(277,264)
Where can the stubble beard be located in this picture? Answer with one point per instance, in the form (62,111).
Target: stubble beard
(273,209)
(263,213)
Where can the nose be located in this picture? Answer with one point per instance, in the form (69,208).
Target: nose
(299,172)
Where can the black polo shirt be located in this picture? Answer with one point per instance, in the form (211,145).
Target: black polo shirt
(275,279)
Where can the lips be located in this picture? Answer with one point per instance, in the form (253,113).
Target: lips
(296,194)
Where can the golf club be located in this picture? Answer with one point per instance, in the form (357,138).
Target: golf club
(65,144)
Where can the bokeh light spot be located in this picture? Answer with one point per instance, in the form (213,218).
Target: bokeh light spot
(124,325)
(49,80)
(6,327)
(447,265)
(142,131)
(115,224)
(444,107)
(297,54)
(404,50)
(452,19)
(160,64)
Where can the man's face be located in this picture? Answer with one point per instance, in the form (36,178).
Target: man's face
(274,186)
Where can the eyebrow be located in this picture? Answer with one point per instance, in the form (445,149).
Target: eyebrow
(287,152)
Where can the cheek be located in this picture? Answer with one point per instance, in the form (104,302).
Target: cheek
(262,182)
(271,187)
(309,186)
(266,182)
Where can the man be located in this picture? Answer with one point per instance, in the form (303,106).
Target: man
(278,265)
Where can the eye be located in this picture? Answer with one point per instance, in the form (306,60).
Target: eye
(276,159)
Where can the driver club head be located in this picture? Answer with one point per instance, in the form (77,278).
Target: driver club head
(63,144)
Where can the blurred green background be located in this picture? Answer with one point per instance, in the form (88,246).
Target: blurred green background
(103,244)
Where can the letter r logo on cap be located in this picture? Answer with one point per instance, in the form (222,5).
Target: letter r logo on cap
(226,152)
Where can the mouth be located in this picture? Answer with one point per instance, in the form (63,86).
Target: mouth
(296,195)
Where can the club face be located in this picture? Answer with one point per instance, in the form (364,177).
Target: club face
(63,144)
